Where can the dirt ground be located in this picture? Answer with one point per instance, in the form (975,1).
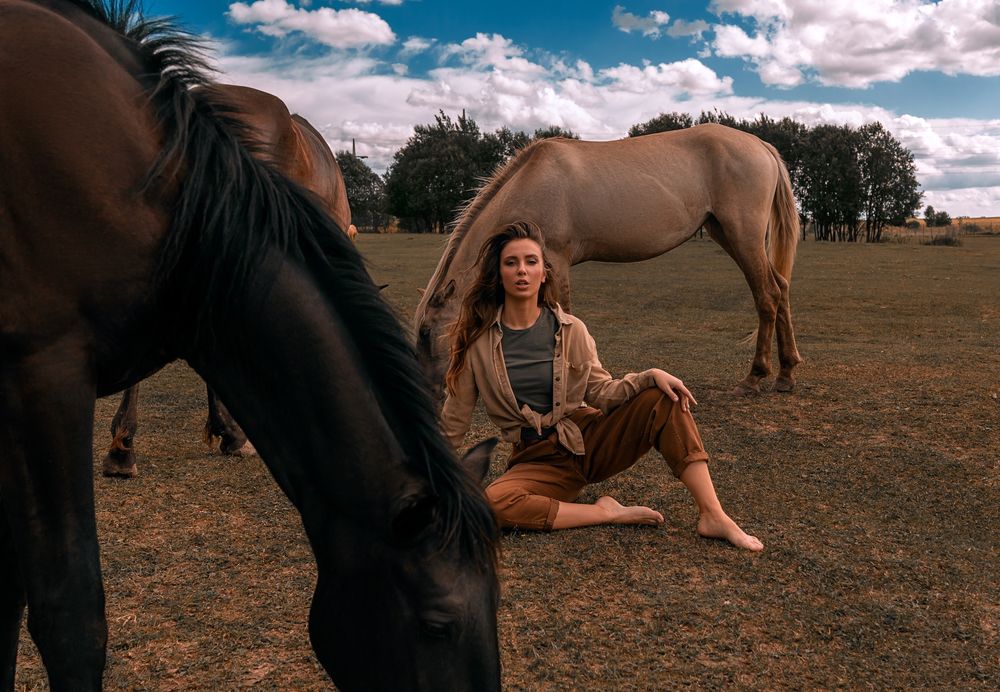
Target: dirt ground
(874,487)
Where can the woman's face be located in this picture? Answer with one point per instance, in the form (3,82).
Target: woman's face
(522,269)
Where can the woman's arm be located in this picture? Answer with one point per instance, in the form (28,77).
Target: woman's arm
(673,388)
(456,416)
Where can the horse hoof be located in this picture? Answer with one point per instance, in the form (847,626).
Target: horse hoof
(114,468)
(746,390)
(784,384)
(235,448)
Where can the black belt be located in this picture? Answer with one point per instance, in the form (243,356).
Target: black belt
(530,437)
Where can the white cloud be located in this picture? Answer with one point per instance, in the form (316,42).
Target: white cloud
(681,27)
(355,96)
(347,28)
(491,51)
(856,44)
(415,45)
(650,25)
(689,77)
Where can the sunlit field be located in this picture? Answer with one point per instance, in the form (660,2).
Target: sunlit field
(874,487)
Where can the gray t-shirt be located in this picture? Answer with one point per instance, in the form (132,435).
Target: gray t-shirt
(528,356)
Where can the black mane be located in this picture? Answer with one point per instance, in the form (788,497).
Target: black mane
(232,209)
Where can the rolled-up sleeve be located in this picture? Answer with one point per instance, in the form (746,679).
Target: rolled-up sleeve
(456,416)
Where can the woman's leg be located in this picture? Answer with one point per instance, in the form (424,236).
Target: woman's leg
(607,510)
(713,522)
(538,490)
(649,420)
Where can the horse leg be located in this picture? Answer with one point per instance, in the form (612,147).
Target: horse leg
(788,352)
(767,294)
(220,424)
(46,433)
(11,604)
(120,459)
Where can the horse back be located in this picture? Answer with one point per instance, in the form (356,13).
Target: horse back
(73,151)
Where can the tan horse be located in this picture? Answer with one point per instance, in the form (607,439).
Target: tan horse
(631,200)
(294,146)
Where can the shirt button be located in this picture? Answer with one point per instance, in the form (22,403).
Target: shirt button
(557,403)
(557,378)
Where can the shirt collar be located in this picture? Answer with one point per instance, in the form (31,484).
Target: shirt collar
(561,316)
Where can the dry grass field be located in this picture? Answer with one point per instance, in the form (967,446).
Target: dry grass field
(874,487)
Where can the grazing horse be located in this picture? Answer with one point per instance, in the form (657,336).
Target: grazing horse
(135,228)
(631,200)
(292,144)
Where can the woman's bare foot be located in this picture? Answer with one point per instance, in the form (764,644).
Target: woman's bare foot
(619,514)
(719,525)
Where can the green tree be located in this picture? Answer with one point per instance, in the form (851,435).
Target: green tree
(888,180)
(365,192)
(936,218)
(436,171)
(553,131)
(500,145)
(831,182)
(664,122)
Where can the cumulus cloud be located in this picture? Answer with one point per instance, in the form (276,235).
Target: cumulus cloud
(681,27)
(416,44)
(491,51)
(856,44)
(688,77)
(347,28)
(500,83)
(650,25)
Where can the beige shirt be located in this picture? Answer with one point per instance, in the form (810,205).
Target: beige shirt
(578,379)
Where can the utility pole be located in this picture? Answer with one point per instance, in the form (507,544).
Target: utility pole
(354,150)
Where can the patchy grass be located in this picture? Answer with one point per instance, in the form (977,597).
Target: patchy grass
(874,488)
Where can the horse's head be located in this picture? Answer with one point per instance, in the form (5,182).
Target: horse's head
(435,315)
(410,602)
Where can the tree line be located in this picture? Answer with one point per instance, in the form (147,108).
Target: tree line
(850,183)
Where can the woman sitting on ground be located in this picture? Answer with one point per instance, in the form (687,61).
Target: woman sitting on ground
(571,424)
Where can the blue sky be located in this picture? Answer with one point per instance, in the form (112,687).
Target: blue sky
(369,71)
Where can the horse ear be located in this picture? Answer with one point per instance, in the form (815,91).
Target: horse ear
(421,291)
(382,287)
(476,462)
(437,300)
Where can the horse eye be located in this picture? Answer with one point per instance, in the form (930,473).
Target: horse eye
(436,629)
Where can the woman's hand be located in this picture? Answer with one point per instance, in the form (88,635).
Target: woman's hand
(674,388)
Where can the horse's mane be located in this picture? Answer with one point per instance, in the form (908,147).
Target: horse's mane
(232,210)
(468,212)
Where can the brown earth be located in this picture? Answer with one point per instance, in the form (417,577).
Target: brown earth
(874,488)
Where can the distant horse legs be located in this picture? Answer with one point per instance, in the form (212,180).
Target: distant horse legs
(770,295)
(220,424)
(788,352)
(46,433)
(11,603)
(120,460)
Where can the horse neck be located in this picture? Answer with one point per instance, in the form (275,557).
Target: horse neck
(291,376)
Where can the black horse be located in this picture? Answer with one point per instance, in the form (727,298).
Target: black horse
(135,228)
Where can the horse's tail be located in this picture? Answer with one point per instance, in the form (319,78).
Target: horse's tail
(784,229)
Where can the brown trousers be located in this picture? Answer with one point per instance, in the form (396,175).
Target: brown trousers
(541,475)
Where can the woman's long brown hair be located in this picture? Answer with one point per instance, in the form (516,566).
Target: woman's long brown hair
(486,295)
